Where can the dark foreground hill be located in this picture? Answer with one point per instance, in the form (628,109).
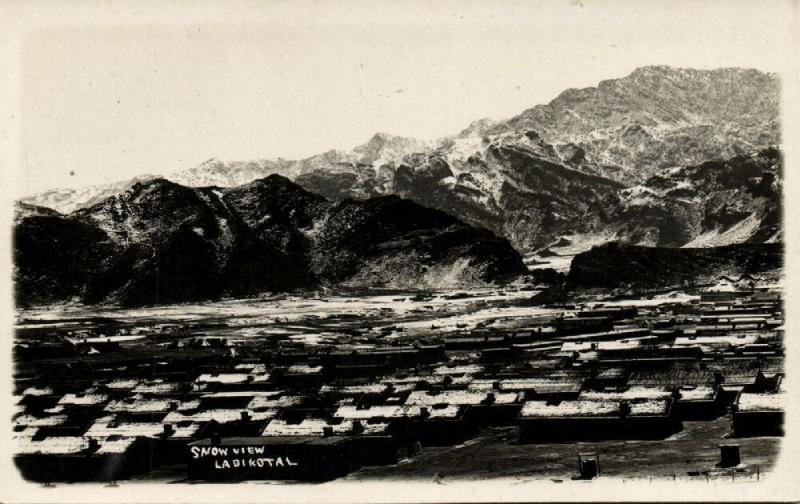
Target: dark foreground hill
(613,265)
(161,242)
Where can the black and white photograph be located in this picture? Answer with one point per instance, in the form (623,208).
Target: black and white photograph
(315,247)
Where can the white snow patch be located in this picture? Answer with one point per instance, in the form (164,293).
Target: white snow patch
(738,233)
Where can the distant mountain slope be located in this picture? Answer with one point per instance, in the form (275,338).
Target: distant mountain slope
(361,167)
(708,205)
(160,242)
(513,184)
(715,203)
(660,117)
(214,172)
(68,200)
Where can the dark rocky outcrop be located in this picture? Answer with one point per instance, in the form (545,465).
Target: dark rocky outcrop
(613,265)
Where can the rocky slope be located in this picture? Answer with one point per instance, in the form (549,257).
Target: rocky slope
(708,205)
(512,183)
(660,117)
(160,242)
(714,203)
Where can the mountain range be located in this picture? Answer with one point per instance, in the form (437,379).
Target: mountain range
(625,160)
(160,242)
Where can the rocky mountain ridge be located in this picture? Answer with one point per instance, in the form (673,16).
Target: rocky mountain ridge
(580,166)
(160,242)
(660,117)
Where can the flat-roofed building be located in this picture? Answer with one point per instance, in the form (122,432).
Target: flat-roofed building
(378,443)
(443,425)
(231,381)
(567,326)
(703,402)
(542,421)
(759,414)
(80,458)
(233,399)
(613,312)
(614,376)
(673,377)
(226,422)
(735,375)
(544,387)
(631,394)
(167,441)
(482,407)
(141,408)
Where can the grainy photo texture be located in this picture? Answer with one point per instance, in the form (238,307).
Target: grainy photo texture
(301,252)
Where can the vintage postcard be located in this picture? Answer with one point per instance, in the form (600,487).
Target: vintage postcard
(400,251)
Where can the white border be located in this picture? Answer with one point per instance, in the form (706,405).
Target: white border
(19,18)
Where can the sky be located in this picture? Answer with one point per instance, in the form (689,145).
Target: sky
(108,97)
